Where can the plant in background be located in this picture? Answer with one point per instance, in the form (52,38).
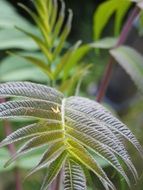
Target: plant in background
(127,57)
(72,130)
(54,59)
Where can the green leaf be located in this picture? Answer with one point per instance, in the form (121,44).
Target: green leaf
(39,42)
(72,57)
(104,13)
(64,59)
(28,162)
(54,13)
(99,149)
(53,170)
(78,152)
(74,178)
(36,142)
(59,23)
(4,154)
(132,62)
(12,38)
(122,9)
(85,127)
(88,177)
(41,7)
(140,26)
(20,70)
(63,35)
(42,25)
(30,131)
(105,43)
(40,63)
(75,57)
(50,155)
(36,61)
(72,85)
(9,17)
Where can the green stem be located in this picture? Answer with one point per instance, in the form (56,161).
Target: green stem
(108,71)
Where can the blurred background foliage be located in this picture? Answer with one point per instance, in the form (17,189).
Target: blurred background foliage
(122,95)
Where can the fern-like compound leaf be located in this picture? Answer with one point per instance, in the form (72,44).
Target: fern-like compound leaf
(29,131)
(80,153)
(100,149)
(74,178)
(95,110)
(30,90)
(53,170)
(70,130)
(36,142)
(50,155)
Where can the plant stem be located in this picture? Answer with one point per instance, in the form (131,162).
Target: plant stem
(57,182)
(11,147)
(105,80)
(123,36)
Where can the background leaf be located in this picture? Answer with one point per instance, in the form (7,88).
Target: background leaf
(9,17)
(4,154)
(104,43)
(132,62)
(12,38)
(26,162)
(122,9)
(20,70)
(104,13)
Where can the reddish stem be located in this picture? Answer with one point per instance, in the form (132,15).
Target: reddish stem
(108,71)
(128,25)
(12,150)
(18,183)
(105,81)
(56,183)
(8,131)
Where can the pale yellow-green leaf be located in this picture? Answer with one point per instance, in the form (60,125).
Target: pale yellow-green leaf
(74,178)
(82,155)
(36,142)
(53,170)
